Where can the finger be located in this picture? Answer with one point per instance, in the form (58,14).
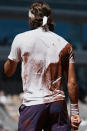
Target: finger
(76,124)
(74,127)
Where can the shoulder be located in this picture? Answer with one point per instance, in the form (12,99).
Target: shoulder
(60,39)
(66,51)
(61,43)
(22,37)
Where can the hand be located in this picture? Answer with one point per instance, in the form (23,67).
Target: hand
(75,122)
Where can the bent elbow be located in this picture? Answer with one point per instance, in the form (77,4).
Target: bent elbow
(72,84)
(7,74)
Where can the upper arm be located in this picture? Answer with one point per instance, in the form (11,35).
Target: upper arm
(71,74)
(68,60)
(70,66)
(10,67)
(15,53)
(13,58)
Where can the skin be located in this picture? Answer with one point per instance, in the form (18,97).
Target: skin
(73,95)
(10,68)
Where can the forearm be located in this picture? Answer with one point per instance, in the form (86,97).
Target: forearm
(73,95)
(73,92)
(74,109)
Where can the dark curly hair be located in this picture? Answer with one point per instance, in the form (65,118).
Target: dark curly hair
(41,9)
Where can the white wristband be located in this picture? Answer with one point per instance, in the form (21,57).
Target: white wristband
(74,110)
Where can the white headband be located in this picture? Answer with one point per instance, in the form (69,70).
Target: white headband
(45,18)
(31,15)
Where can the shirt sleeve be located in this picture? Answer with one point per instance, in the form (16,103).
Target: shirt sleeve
(62,41)
(15,53)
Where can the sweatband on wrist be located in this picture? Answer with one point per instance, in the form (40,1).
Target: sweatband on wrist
(74,110)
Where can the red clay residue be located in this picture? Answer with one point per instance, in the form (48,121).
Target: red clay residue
(26,57)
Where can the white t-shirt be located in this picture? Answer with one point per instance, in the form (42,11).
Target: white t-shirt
(42,54)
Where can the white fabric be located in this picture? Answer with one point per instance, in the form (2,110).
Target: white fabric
(74,110)
(45,18)
(31,15)
(37,50)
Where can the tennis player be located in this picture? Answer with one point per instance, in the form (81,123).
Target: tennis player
(45,58)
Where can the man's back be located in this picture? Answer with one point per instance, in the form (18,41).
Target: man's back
(45,56)
(39,51)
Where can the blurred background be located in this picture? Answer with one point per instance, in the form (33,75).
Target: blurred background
(70,22)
